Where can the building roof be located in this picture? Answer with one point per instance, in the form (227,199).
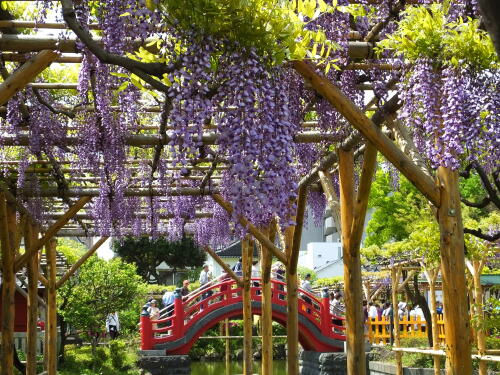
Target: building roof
(490,279)
(234,250)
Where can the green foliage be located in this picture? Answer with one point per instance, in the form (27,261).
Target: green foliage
(424,32)
(100,288)
(117,348)
(335,281)
(147,254)
(395,211)
(275,28)
(415,359)
(303,271)
(80,361)
(71,249)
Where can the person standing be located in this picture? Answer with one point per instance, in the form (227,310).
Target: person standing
(185,288)
(205,278)
(154,312)
(306,286)
(112,325)
(238,267)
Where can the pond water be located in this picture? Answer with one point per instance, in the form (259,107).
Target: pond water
(219,368)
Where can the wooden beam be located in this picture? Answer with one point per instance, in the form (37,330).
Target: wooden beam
(51,323)
(456,318)
(52,231)
(80,261)
(267,313)
(352,268)
(407,280)
(8,291)
(247,253)
(395,275)
(360,121)
(224,266)
(31,235)
(431,276)
(25,74)
(361,204)
(297,232)
(252,229)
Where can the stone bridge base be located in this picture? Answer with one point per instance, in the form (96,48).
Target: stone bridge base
(155,362)
(314,363)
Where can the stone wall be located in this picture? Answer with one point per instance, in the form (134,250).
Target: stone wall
(314,363)
(157,364)
(382,368)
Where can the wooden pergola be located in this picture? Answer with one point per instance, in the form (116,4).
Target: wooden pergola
(68,198)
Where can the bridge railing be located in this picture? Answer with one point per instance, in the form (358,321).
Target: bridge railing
(177,319)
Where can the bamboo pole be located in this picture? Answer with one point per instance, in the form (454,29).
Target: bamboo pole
(352,267)
(228,347)
(252,229)
(456,318)
(478,293)
(395,274)
(267,313)
(293,237)
(80,261)
(224,266)
(31,235)
(8,291)
(432,278)
(360,121)
(25,74)
(51,323)
(247,253)
(51,231)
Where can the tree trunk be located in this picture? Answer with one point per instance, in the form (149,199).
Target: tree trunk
(418,299)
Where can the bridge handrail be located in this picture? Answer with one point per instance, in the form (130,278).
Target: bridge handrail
(177,319)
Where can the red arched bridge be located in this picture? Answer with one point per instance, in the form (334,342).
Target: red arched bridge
(179,327)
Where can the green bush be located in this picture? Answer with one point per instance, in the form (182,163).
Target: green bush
(416,359)
(117,353)
(331,282)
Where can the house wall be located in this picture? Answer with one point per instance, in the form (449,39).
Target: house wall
(214,266)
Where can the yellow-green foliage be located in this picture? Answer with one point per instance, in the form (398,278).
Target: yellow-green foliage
(424,32)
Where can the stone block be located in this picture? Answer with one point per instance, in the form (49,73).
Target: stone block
(165,365)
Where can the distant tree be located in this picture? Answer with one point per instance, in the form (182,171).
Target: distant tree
(101,287)
(147,254)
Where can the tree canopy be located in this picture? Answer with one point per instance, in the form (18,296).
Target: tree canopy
(147,254)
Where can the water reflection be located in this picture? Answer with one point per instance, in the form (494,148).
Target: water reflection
(219,368)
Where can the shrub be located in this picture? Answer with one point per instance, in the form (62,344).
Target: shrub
(117,353)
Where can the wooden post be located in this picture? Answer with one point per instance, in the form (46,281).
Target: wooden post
(51,323)
(267,313)
(395,274)
(31,235)
(478,294)
(25,74)
(293,237)
(228,347)
(432,278)
(456,317)
(8,290)
(247,253)
(356,364)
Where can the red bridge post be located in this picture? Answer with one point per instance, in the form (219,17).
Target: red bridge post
(178,314)
(146,329)
(326,319)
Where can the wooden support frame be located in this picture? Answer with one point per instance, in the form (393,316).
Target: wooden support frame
(395,275)
(51,323)
(247,253)
(31,236)
(80,261)
(361,122)
(51,231)
(252,229)
(25,74)
(8,289)
(456,320)
(356,363)
(293,236)
(224,266)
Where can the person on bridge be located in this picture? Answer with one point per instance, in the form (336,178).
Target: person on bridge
(238,267)
(205,278)
(185,288)
(306,285)
(154,313)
